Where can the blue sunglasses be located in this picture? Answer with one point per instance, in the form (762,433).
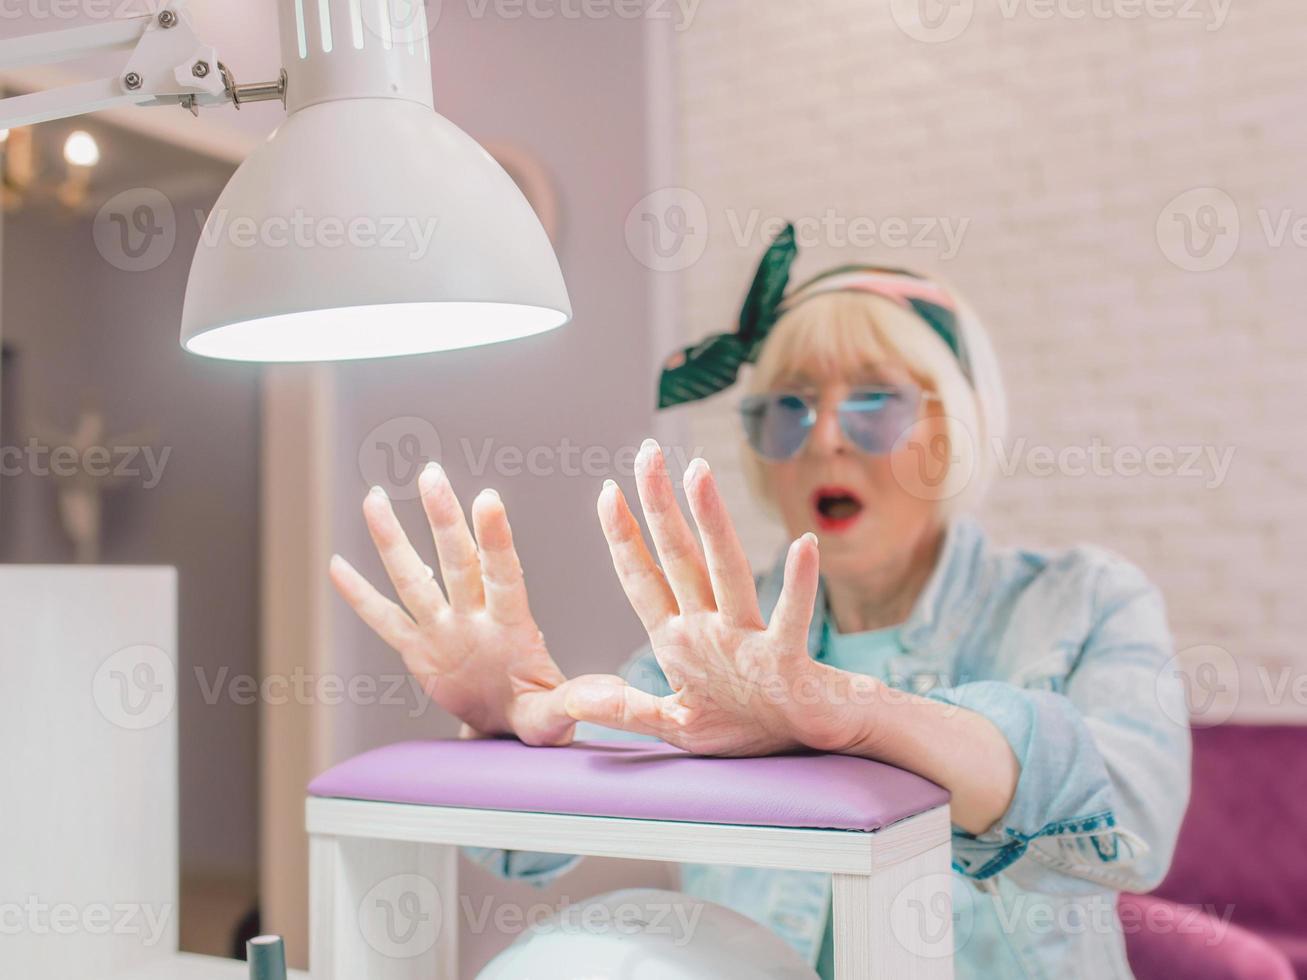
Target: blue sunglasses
(778,423)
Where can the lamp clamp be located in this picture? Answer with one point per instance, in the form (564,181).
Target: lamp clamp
(169,64)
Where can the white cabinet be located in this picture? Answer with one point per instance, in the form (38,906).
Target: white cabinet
(88,769)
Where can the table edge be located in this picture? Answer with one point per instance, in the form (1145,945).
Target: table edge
(793,848)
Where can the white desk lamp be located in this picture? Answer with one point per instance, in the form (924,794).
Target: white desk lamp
(421,241)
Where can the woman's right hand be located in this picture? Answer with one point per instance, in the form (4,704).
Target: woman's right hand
(476,652)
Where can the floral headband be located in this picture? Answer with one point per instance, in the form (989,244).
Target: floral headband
(713,364)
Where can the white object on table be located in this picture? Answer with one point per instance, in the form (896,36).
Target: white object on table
(88,776)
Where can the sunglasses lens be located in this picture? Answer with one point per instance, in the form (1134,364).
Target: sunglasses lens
(874,419)
(776,425)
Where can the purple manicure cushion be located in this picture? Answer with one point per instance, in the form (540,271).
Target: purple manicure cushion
(639,780)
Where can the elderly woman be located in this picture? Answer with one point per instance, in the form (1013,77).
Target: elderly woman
(1031,685)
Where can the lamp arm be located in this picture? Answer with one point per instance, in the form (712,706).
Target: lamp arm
(169,65)
(74,42)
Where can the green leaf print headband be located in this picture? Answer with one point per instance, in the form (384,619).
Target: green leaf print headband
(713,364)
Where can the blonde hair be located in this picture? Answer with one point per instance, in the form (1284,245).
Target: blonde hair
(849,330)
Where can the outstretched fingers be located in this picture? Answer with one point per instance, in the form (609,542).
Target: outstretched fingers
(642,580)
(383,616)
(411,576)
(793,612)
(501,569)
(460,566)
(677,548)
(728,568)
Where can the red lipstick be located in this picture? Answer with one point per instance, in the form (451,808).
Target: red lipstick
(835,508)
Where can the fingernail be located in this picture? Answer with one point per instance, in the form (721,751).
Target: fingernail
(649,446)
(609,483)
(378,492)
(335,560)
(810,537)
(432,467)
(696,464)
(492,492)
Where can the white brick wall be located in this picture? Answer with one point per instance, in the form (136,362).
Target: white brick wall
(1062,141)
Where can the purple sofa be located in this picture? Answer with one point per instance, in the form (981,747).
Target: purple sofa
(1242,857)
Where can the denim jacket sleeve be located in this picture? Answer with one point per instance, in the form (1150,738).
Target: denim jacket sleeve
(539,868)
(1099,728)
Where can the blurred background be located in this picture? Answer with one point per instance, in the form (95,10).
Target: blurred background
(1117,187)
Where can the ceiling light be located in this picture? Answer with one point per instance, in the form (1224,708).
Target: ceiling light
(81,149)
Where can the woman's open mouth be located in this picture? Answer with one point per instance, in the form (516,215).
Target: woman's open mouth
(836,508)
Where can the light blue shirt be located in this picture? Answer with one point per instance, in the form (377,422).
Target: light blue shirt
(863,653)
(1069,655)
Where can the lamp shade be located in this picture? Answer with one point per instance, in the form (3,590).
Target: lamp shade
(367,225)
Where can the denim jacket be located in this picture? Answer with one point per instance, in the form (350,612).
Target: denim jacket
(1067,654)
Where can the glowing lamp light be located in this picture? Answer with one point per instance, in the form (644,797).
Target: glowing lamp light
(81,149)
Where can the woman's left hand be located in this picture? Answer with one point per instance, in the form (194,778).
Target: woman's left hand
(741,687)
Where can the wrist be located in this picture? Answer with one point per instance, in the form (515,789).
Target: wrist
(833,710)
